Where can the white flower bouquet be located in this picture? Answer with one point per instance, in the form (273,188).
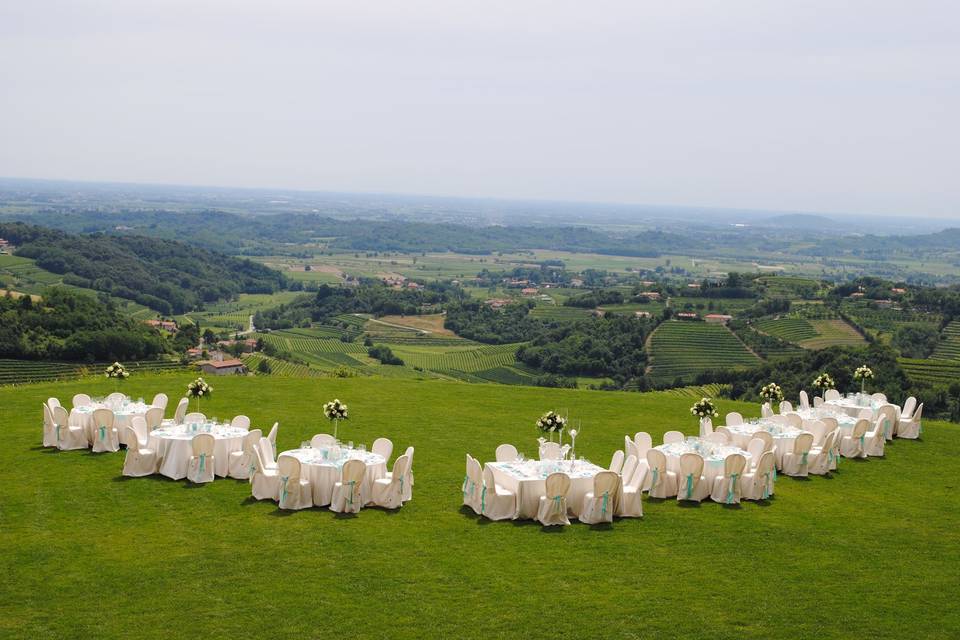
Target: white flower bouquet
(771,393)
(863,373)
(198,389)
(551,422)
(335,411)
(704,408)
(116,371)
(824,382)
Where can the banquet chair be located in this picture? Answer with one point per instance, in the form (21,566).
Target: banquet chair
(631,504)
(794,420)
(265,481)
(873,441)
(629,467)
(733,418)
(765,410)
(49,430)
(348,492)
(835,459)
(241,464)
(852,446)
(706,427)
(643,441)
(727,488)
(756,448)
(766,438)
(68,436)
(272,436)
(115,399)
(267,454)
(821,457)
(322,440)
(194,417)
(383,447)
(153,418)
(496,503)
(294,491)
(888,414)
(758,484)
(200,465)
(672,436)
(105,436)
(408,486)
(804,400)
(140,461)
(726,433)
(81,400)
(506,453)
(53,402)
(160,401)
(139,426)
(181,411)
(785,407)
(553,505)
(663,483)
(718,437)
(691,485)
(908,407)
(819,430)
(550,451)
(241,422)
(616,462)
(779,419)
(865,414)
(472,482)
(831,423)
(817,402)
(830,395)
(388,491)
(600,503)
(911,428)
(879,397)
(630,448)
(796,463)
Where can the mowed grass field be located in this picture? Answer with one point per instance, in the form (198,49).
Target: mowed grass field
(870,552)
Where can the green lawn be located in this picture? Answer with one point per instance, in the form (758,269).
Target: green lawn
(871,552)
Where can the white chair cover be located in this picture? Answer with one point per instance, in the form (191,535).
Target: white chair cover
(733,418)
(631,505)
(347,494)
(794,420)
(728,487)
(194,417)
(691,484)
(181,411)
(706,427)
(796,462)
(266,453)
(643,441)
(599,505)
(550,451)
(506,453)
(408,486)
(322,440)
(725,432)
(388,492)
(663,483)
(153,418)
(821,457)
(201,465)
(241,422)
(53,402)
(68,436)
(616,462)
(630,448)
(383,447)
(139,461)
(875,440)
(785,407)
(272,436)
(756,448)
(908,407)
(672,436)
(115,399)
(854,445)
(888,414)
(295,492)
(718,437)
(911,428)
(804,400)
(80,400)
(817,402)
(160,401)
(139,424)
(49,432)
(553,505)
(265,481)
(879,397)
(831,394)
(105,436)
(765,410)
(496,503)
(629,467)
(758,484)
(472,484)
(243,463)
(818,429)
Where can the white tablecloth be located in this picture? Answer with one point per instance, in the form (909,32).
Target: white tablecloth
(322,467)
(713,456)
(122,417)
(783,436)
(852,406)
(527,479)
(844,419)
(172,445)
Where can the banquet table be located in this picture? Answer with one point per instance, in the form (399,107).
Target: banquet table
(323,466)
(527,479)
(844,420)
(783,435)
(123,415)
(173,446)
(853,404)
(714,455)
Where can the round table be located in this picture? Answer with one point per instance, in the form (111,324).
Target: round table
(527,479)
(714,455)
(323,466)
(853,405)
(783,435)
(844,420)
(173,446)
(122,417)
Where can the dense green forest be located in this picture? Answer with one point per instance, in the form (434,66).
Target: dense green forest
(482,323)
(65,325)
(165,275)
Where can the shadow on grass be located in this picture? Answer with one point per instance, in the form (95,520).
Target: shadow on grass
(688,504)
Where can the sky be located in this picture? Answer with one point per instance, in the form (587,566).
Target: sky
(814,106)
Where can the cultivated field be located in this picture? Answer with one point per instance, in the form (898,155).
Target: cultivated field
(949,346)
(683,349)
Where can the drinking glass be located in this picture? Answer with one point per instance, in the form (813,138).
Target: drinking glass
(350,445)
(305,444)
(362,447)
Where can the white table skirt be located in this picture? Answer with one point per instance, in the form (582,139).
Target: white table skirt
(529,489)
(173,447)
(850,407)
(783,437)
(122,418)
(713,465)
(324,473)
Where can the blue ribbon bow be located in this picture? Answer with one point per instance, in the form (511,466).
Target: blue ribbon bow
(283,490)
(103,433)
(203,462)
(557,504)
(656,476)
(483,499)
(733,483)
(603,507)
(766,485)
(689,485)
(352,483)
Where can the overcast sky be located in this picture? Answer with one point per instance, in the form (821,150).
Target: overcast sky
(815,105)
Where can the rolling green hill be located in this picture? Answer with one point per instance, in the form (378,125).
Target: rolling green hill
(683,349)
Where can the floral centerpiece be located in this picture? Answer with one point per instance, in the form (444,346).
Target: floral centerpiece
(824,382)
(198,389)
(335,411)
(863,373)
(704,408)
(771,393)
(550,423)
